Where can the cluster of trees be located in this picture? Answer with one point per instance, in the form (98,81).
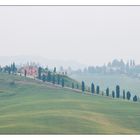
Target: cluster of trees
(11,69)
(50,76)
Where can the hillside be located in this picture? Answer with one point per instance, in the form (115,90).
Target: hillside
(33,107)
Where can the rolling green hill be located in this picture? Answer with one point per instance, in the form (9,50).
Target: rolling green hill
(33,107)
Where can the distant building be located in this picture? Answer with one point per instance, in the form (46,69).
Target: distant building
(31,70)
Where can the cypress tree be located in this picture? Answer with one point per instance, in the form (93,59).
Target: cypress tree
(118,91)
(92,89)
(97,89)
(39,73)
(128,95)
(53,79)
(83,87)
(113,94)
(49,76)
(58,79)
(123,94)
(63,83)
(107,92)
(135,99)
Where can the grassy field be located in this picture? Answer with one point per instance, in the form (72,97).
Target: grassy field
(125,82)
(32,107)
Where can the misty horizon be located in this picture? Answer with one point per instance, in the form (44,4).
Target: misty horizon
(92,35)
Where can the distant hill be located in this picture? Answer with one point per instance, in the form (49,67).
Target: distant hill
(41,60)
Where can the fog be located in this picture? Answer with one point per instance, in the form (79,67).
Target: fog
(91,35)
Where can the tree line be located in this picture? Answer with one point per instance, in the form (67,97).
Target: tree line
(55,78)
(126,95)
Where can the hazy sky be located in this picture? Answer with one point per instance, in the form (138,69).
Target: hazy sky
(87,34)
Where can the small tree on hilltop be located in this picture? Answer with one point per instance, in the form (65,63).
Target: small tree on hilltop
(92,89)
(123,94)
(128,95)
(83,87)
(135,99)
(107,92)
(113,94)
(118,91)
(97,89)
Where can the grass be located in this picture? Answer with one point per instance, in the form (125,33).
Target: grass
(33,107)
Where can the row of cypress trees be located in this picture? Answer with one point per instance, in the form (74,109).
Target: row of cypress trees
(126,95)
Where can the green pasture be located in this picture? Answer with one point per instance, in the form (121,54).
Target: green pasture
(33,107)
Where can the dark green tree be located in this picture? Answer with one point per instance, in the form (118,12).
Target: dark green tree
(43,77)
(72,85)
(63,83)
(123,94)
(13,68)
(113,94)
(118,91)
(107,92)
(128,95)
(39,72)
(92,89)
(97,89)
(53,79)
(49,77)
(83,87)
(58,79)
(135,99)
